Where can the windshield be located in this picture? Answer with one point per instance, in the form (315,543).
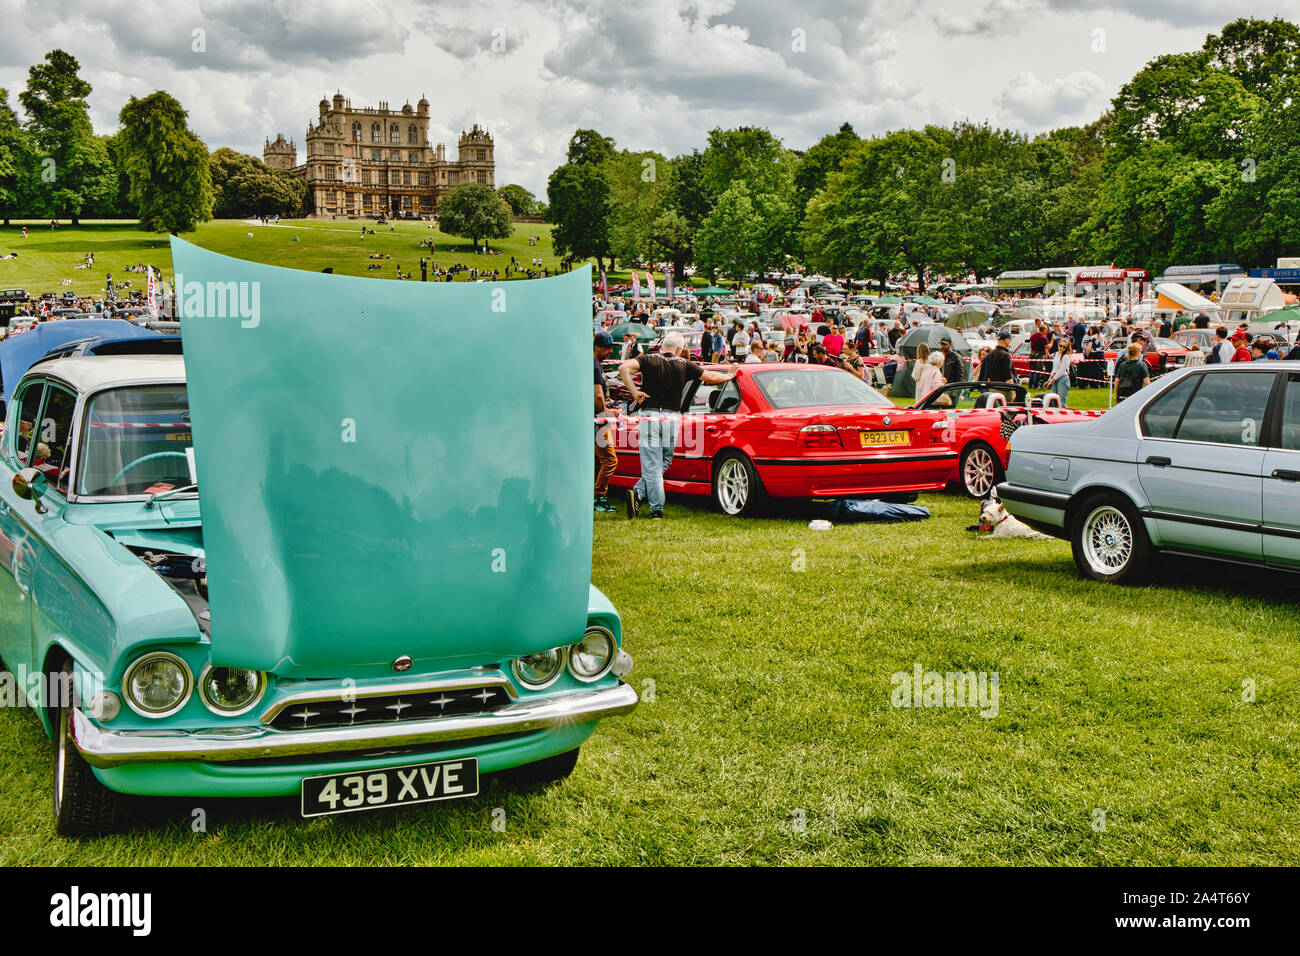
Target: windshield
(135,440)
(798,388)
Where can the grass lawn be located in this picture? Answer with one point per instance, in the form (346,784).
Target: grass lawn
(772,739)
(46,256)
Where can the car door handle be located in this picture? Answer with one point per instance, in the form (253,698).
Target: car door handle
(1160,461)
(710,428)
(1285,475)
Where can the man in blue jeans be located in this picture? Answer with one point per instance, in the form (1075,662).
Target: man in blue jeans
(664,377)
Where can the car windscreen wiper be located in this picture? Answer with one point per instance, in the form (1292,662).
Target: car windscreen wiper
(159,495)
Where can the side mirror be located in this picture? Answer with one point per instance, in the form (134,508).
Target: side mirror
(30,484)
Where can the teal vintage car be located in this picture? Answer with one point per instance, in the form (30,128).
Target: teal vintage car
(289,564)
(1205,462)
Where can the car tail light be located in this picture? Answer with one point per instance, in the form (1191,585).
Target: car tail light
(819,436)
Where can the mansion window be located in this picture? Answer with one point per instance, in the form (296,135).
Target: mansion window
(395,155)
(356,131)
(424,177)
(394,177)
(481,154)
(365,200)
(376,155)
(365,177)
(413,156)
(411,134)
(375,135)
(329,149)
(482,176)
(406,177)
(393,134)
(455,178)
(426,202)
(406,202)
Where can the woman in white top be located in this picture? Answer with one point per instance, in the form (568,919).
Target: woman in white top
(1059,379)
(931,378)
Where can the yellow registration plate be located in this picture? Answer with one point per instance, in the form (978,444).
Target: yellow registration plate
(896,437)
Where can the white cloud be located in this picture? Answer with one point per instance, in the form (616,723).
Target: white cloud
(1030,102)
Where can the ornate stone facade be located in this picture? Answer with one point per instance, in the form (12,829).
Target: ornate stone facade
(375,161)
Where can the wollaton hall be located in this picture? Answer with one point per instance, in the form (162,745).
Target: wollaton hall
(374,161)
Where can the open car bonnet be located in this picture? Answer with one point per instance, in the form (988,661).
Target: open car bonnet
(374,484)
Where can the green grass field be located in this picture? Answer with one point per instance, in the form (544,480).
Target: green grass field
(772,739)
(47,257)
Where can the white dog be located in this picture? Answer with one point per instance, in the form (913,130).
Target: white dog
(1004,524)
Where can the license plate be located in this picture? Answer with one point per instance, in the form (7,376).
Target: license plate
(389,787)
(897,437)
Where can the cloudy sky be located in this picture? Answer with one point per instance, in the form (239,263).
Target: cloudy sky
(656,74)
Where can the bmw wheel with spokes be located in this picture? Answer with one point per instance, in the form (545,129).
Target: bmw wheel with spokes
(981,470)
(736,486)
(1109,541)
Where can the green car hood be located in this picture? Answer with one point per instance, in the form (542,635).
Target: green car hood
(377,482)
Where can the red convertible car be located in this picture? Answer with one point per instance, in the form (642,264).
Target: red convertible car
(794,431)
(977,413)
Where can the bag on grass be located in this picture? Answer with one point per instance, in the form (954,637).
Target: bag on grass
(869,509)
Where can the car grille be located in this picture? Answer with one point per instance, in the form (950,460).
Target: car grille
(392,708)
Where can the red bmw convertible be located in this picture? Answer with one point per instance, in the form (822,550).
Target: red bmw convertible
(794,431)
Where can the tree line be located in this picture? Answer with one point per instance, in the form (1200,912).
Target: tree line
(1196,160)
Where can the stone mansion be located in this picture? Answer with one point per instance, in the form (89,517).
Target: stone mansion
(375,161)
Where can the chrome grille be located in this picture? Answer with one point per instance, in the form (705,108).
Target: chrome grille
(391,708)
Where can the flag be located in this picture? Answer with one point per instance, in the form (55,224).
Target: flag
(604,286)
(668,280)
(636,285)
(150,289)
(650,283)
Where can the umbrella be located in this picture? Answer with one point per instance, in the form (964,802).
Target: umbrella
(889,300)
(643,333)
(932,335)
(713,290)
(966,317)
(1289,315)
(926,300)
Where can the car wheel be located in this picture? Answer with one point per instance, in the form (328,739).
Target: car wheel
(980,470)
(549,770)
(736,487)
(1109,541)
(83,807)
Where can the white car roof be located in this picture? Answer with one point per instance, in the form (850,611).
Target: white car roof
(87,373)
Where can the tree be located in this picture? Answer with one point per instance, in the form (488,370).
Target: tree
(166,163)
(823,158)
(243,186)
(476,212)
(17,164)
(638,194)
(578,201)
(75,170)
(586,146)
(520,200)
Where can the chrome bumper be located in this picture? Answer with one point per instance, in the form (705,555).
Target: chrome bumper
(110,748)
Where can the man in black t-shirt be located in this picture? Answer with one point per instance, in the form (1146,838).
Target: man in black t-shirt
(997,365)
(664,377)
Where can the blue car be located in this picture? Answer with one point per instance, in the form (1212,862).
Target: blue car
(1205,462)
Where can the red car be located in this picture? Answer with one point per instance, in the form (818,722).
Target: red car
(794,431)
(976,419)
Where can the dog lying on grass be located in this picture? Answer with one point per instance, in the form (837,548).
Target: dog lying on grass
(1003,524)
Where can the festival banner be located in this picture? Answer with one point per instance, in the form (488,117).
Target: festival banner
(668,280)
(650,283)
(636,285)
(150,291)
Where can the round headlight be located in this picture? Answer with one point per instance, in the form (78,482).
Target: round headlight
(158,684)
(541,669)
(231,691)
(591,658)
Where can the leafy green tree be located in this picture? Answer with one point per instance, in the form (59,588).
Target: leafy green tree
(578,199)
(638,194)
(166,163)
(244,186)
(476,212)
(729,236)
(824,157)
(17,163)
(520,200)
(75,171)
(1259,53)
